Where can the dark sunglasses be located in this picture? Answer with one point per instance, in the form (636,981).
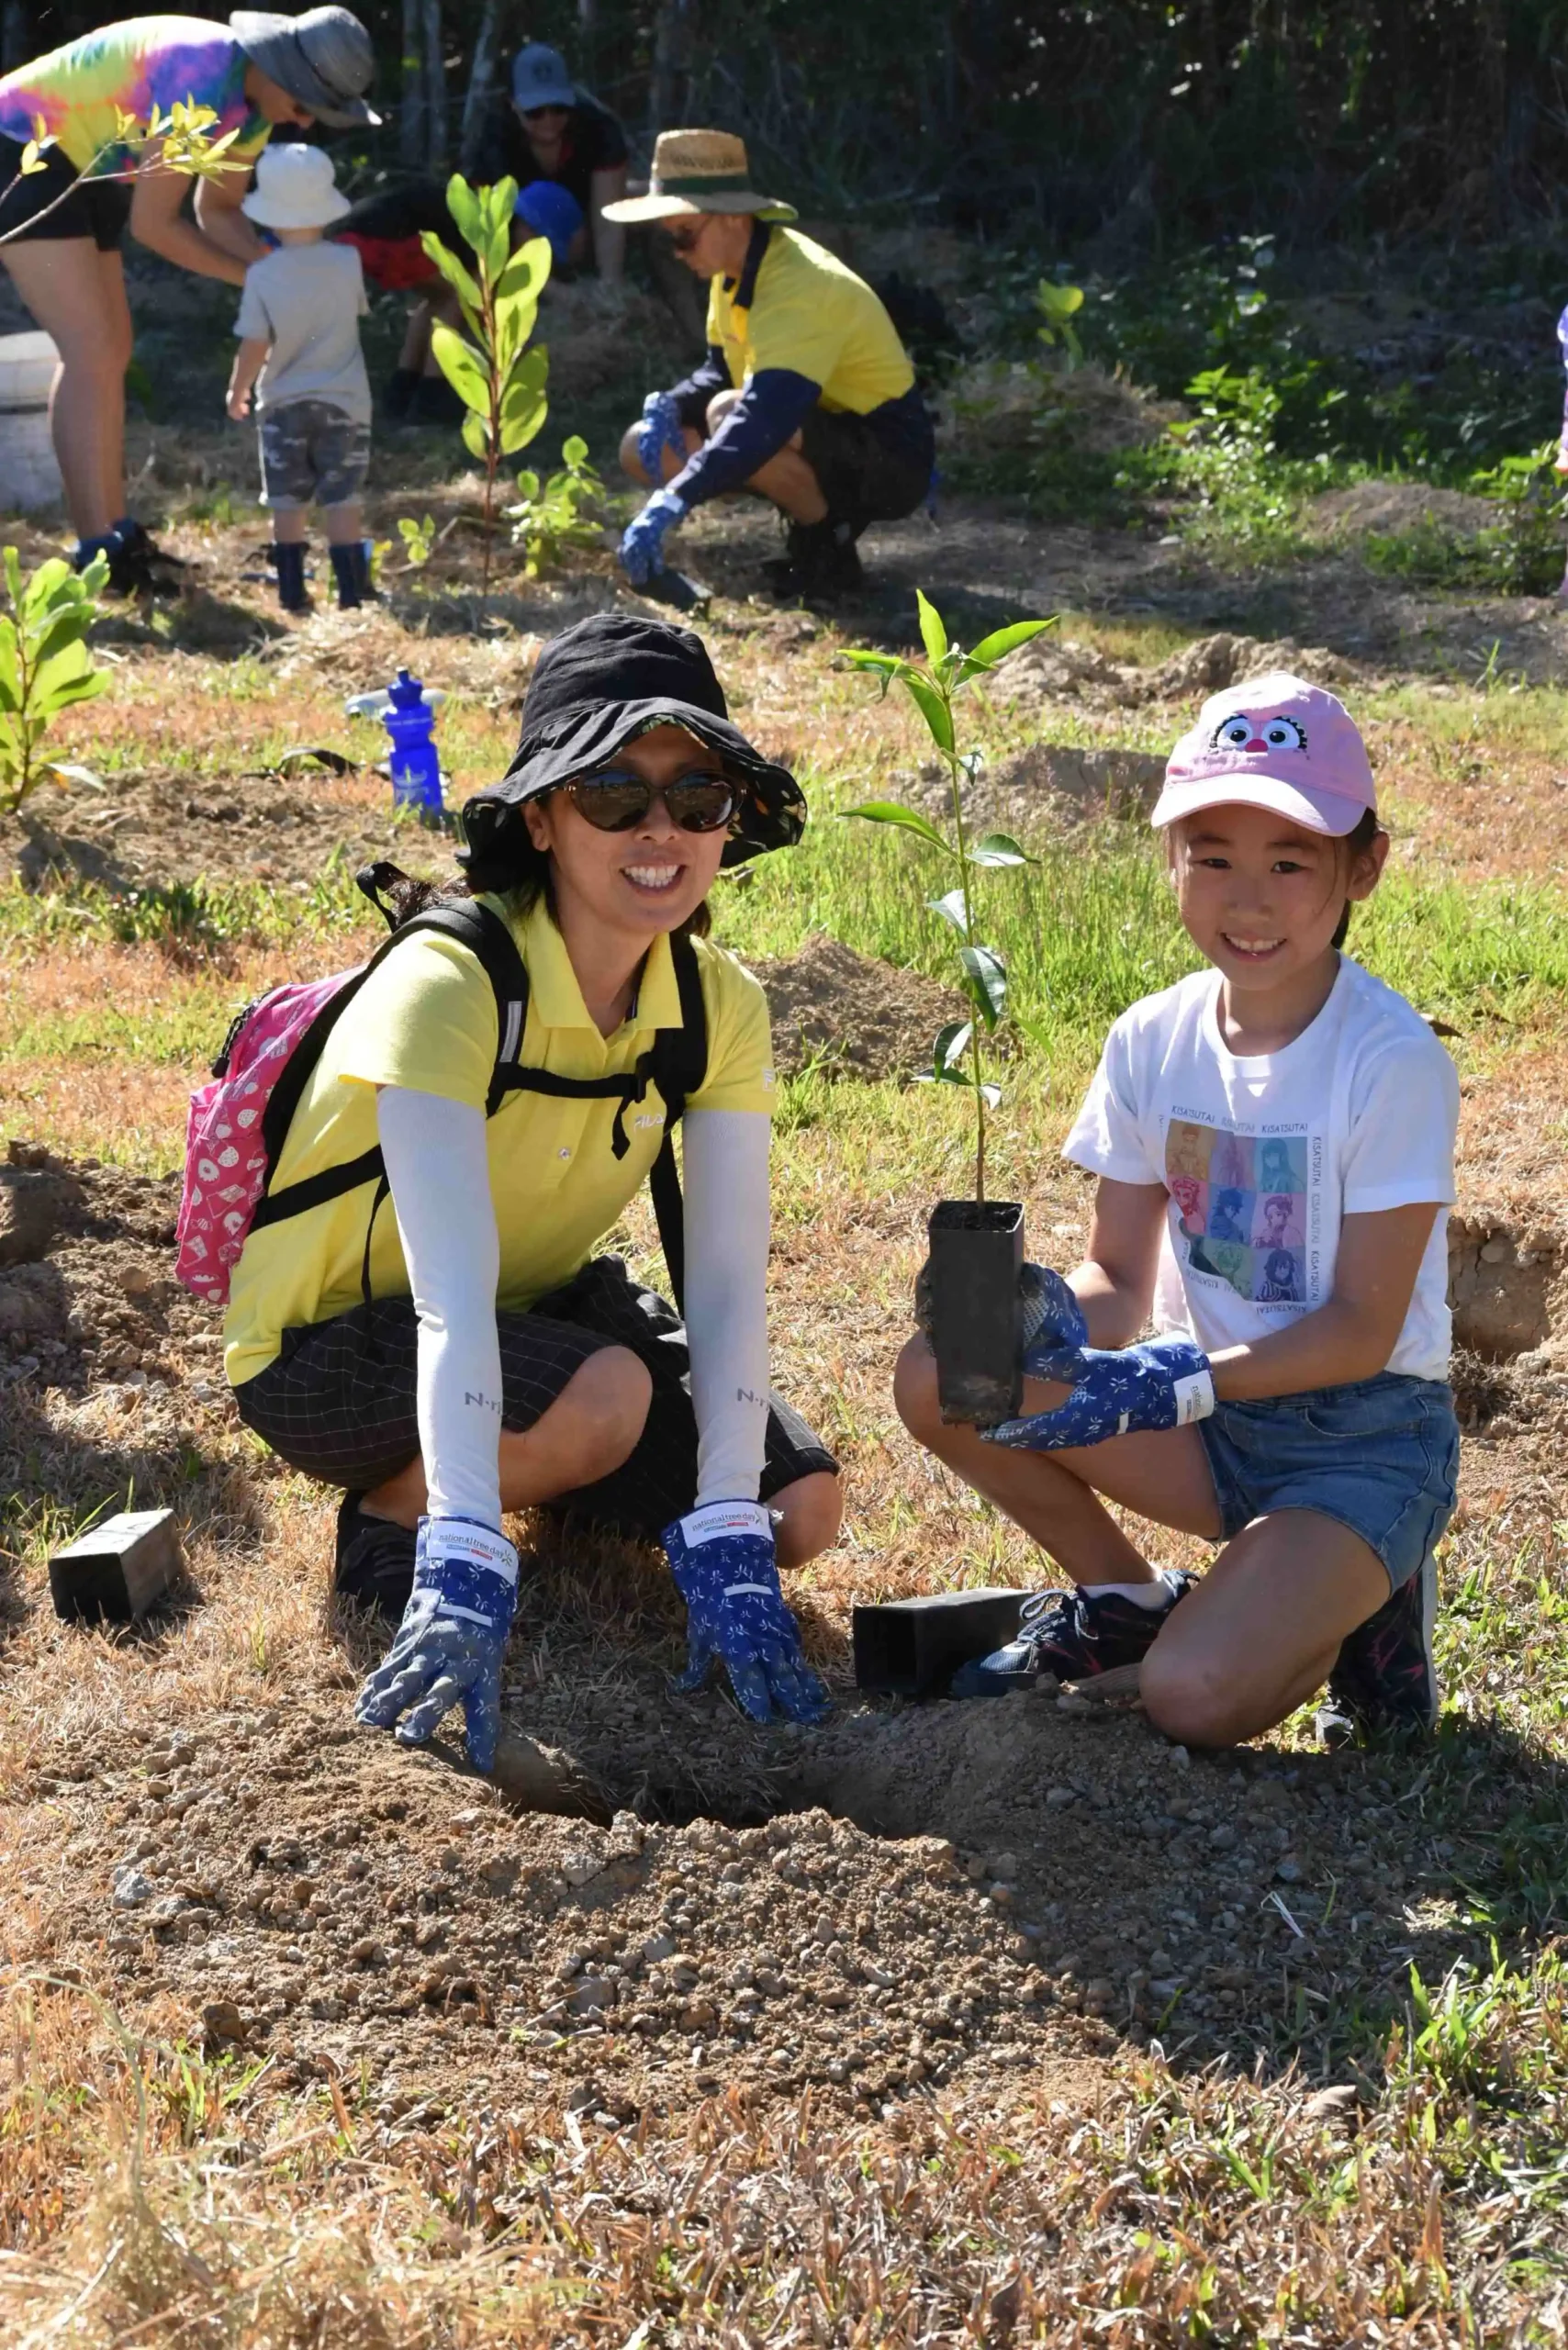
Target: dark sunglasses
(616,798)
(686,240)
(537,114)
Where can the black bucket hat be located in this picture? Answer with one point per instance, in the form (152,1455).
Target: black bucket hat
(596,687)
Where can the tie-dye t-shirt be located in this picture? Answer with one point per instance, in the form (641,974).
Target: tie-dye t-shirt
(1262,1157)
(78,92)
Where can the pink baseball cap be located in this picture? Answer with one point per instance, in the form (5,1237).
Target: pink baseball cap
(1272,742)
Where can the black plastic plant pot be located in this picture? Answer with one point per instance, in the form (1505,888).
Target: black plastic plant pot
(977,1254)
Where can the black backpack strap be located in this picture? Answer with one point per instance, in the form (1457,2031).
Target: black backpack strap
(680,1064)
(491,941)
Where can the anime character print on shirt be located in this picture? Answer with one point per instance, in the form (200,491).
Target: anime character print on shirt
(1240,1203)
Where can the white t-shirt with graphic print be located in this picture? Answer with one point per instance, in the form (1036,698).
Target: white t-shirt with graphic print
(1264,1156)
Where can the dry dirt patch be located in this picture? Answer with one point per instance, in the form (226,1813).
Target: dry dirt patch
(849,1014)
(1055,668)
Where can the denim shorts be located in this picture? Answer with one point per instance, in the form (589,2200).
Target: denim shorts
(311,450)
(1380,1456)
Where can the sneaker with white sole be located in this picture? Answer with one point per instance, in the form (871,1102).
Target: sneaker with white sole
(1384,1678)
(1072,1637)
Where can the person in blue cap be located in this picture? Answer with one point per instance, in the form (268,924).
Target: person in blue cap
(549,128)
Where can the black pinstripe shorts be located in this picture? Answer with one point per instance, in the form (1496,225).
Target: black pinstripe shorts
(339,1402)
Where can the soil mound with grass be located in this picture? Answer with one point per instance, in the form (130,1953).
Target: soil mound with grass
(849,1014)
(1055,668)
(1391,506)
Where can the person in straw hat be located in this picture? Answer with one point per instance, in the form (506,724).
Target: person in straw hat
(61,226)
(806,395)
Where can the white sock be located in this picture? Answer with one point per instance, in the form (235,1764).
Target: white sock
(1142,1595)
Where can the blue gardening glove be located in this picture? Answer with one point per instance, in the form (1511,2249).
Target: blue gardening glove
(1163,1383)
(660,429)
(450,1640)
(722,1561)
(642,548)
(1052,1317)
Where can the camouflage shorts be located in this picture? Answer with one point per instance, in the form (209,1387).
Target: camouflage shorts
(311,450)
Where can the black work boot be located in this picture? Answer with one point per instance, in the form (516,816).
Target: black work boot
(374,1561)
(289,562)
(352,573)
(821,564)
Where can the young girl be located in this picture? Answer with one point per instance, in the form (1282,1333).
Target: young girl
(472,1351)
(1305,1423)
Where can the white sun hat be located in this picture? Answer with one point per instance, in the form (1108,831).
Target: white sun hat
(294,189)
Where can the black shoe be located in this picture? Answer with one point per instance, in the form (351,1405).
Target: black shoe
(822,564)
(375,1564)
(1072,1637)
(1384,1678)
(397,399)
(136,541)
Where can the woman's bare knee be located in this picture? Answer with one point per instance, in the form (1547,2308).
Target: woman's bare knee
(630,463)
(810,1513)
(719,408)
(914,1391)
(608,1398)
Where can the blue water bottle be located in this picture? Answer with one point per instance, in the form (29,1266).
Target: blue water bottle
(416,763)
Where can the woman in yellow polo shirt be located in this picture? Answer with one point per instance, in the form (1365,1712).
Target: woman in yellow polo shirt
(469,1353)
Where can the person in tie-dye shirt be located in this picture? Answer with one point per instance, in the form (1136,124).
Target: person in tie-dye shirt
(61,226)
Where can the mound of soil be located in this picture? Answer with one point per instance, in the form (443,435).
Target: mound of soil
(155,832)
(994,405)
(1046,790)
(851,1016)
(1396,505)
(1062,669)
(87,1287)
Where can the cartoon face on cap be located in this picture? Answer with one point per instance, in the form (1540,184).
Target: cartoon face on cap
(1259,736)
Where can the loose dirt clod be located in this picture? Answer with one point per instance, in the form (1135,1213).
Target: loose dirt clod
(1062,669)
(849,1014)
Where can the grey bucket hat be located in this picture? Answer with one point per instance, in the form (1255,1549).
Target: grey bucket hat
(324,58)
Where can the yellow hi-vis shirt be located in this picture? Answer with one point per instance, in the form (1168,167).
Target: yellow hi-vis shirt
(811,315)
(426,1020)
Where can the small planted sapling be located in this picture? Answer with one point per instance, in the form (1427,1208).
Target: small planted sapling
(45,665)
(977,1244)
(495,372)
(561,514)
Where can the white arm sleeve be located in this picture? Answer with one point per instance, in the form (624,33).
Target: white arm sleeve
(726,1297)
(438,1166)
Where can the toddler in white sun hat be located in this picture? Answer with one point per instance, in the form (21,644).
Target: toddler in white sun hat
(298,328)
(1273,1140)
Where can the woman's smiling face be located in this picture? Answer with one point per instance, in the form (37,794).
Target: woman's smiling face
(648,879)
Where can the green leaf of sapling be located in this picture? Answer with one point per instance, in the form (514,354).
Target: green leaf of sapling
(574,450)
(952,1044)
(1000,848)
(477,434)
(463,202)
(460,365)
(1001,642)
(932,634)
(932,708)
(985,981)
(450,268)
(889,812)
(951,908)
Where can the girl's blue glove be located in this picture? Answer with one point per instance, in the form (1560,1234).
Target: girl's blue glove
(642,547)
(1052,1317)
(723,1561)
(659,430)
(1163,1383)
(449,1643)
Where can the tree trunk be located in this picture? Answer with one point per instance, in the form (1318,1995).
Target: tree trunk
(412,126)
(435,88)
(481,77)
(667,87)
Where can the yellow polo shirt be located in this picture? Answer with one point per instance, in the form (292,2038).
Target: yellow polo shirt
(426,1020)
(810,314)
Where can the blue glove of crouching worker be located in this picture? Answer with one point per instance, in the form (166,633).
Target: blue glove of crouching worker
(642,547)
(723,1561)
(1161,1383)
(659,430)
(449,1645)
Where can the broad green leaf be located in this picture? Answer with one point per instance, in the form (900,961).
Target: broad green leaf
(477,434)
(932,634)
(985,981)
(889,812)
(10,679)
(952,1044)
(528,485)
(450,268)
(1002,641)
(459,363)
(932,706)
(518,425)
(951,908)
(886,664)
(574,450)
(84,687)
(56,634)
(463,202)
(1000,848)
(528,269)
(44,586)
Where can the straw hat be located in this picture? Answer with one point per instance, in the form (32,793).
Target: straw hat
(699,171)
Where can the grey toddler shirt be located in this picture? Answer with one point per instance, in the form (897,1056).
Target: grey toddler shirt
(308,301)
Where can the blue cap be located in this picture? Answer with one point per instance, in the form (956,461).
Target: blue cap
(550,211)
(539,78)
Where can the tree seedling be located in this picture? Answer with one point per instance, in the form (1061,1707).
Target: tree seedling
(562,513)
(977,1245)
(45,666)
(496,374)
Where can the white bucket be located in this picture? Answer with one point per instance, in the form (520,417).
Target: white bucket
(29,476)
